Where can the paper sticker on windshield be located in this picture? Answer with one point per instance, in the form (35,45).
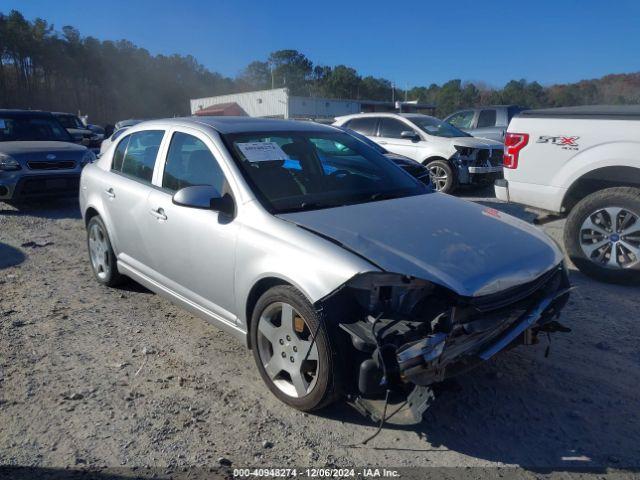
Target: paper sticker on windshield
(262,151)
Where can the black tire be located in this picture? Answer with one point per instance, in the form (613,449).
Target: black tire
(109,275)
(450,184)
(627,198)
(326,388)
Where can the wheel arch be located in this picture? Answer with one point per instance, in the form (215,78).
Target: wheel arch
(258,289)
(599,179)
(432,158)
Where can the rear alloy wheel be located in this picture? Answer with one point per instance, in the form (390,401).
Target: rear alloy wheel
(603,235)
(441,176)
(103,259)
(298,370)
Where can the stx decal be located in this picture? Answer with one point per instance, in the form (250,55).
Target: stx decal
(567,143)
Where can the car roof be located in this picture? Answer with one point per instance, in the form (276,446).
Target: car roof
(230,124)
(25,113)
(64,113)
(383,114)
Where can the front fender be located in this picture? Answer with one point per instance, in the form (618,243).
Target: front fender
(311,264)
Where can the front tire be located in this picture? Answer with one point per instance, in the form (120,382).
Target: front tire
(282,328)
(101,255)
(602,235)
(442,176)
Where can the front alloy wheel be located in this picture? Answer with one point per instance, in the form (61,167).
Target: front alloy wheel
(442,176)
(286,351)
(297,369)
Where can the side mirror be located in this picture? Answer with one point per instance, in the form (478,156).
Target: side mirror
(205,197)
(410,135)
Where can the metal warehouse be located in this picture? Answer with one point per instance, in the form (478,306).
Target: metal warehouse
(278,103)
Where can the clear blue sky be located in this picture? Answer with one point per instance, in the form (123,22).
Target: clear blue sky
(409,42)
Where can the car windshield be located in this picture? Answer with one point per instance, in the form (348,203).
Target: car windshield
(32,129)
(297,171)
(70,121)
(436,127)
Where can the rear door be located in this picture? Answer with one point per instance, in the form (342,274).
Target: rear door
(125,195)
(389,136)
(367,126)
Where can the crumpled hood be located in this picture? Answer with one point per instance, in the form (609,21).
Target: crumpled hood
(40,150)
(468,248)
(476,142)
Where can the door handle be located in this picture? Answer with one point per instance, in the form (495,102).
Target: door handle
(110,193)
(159,213)
(382,143)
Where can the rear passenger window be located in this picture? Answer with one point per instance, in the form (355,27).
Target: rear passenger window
(140,157)
(118,156)
(487,118)
(365,126)
(190,162)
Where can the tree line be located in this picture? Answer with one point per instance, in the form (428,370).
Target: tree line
(43,68)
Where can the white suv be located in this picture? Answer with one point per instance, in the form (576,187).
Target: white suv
(452,156)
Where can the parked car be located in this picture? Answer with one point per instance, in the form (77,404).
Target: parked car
(410,166)
(79,131)
(37,156)
(119,129)
(340,281)
(452,156)
(485,122)
(582,162)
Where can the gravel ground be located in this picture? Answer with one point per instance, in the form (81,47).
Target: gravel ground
(95,378)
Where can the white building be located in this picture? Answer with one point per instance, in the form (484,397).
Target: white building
(277,103)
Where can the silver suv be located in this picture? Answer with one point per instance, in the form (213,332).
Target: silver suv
(37,156)
(342,272)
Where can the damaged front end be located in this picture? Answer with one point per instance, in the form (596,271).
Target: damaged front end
(408,332)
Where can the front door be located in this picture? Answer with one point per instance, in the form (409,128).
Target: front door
(390,137)
(194,250)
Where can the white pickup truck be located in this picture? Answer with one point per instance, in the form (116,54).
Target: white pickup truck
(583,162)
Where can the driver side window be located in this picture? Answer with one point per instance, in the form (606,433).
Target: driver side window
(392,128)
(189,163)
(462,119)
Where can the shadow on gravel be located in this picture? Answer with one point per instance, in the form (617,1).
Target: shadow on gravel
(36,473)
(10,256)
(53,208)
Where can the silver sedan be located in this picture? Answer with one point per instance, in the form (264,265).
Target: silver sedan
(342,272)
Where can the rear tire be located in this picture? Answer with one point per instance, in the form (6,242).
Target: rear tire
(604,222)
(442,177)
(280,349)
(101,256)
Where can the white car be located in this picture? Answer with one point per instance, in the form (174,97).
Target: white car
(452,156)
(581,161)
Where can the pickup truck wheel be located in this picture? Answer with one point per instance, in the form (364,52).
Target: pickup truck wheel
(602,235)
(298,370)
(442,176)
